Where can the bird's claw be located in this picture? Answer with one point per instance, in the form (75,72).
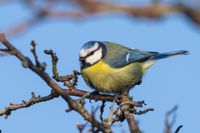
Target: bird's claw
(92,95)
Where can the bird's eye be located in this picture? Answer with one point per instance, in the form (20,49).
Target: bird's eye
(91,53)
(83,58)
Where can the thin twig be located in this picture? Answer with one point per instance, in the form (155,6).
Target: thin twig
(81,127)
(141,112)
(102,110)
(4,52)
(33,100)
(169,124)
(69,80)
(37,62)
(178,128)
(93,112)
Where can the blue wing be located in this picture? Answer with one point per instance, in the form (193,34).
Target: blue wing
(118,56)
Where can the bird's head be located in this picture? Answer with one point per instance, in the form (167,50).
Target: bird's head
(91,52)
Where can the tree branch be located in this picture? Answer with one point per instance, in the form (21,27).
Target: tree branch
(169,124)
(87,8)
(33,100)
(128,113)
(132,124)
(27,63)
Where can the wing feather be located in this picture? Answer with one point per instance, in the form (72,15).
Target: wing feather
(119,56)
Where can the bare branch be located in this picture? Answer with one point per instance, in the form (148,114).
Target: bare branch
(102,110)
(140,112)
(69,80)
(128,109)
(33,50)
(87,8)
(132,124)
(72,104)
(6,1)
(169,124)
(4,52)
(93,112)
(81,127)
(33,100)
(42,66)
(96,97)
(21,27)
(178,128)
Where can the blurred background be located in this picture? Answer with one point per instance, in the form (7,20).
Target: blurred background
(65,25)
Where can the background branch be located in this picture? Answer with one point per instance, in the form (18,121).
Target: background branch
(87,8)
(169,124)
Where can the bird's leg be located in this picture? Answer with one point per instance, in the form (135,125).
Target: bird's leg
(118,97)
(92,95)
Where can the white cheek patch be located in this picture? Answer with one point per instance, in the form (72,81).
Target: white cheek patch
(127,57)
(84,53)
(95,57)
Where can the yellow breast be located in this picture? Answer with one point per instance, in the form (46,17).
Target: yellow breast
(99,67)
(104,78)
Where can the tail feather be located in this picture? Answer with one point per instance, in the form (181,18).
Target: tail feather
(147,64)
(168,54)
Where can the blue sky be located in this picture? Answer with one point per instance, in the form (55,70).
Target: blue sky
(173,81)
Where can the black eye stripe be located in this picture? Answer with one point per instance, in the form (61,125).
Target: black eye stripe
(92,52)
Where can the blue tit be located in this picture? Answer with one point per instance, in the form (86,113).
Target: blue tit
(109,67)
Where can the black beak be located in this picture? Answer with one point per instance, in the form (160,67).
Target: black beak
(81,59)
(83,63)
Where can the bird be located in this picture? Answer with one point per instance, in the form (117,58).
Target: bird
(109,67)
